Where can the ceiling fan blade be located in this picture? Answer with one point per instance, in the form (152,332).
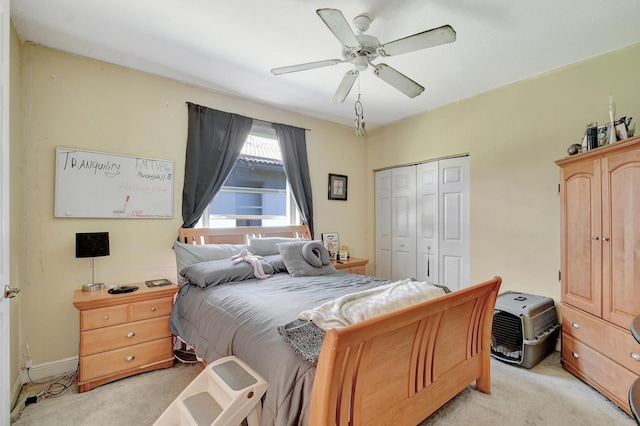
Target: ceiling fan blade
(339,27)
(423,40)
(398,80)
(345,86)
(307,66)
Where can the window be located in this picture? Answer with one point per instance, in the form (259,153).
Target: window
(256,193)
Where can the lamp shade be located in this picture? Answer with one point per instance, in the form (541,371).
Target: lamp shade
(92,244)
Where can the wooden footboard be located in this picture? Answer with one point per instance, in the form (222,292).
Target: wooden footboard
(399,368)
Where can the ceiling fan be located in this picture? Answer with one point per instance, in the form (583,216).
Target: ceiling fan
(361,49)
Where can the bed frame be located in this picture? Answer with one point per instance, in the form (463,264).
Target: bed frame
(398,368)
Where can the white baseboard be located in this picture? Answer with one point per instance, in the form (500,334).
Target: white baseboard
(15,390)
(50,369)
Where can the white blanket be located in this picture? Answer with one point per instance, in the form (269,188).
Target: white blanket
(356,307)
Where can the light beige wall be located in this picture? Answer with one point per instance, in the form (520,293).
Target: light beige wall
(513,135)
(73,101)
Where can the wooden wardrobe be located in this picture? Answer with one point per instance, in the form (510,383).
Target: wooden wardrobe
(600,268)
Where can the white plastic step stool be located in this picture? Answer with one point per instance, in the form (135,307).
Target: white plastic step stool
(226,392)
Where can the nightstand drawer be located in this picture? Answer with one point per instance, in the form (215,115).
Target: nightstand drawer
(362,270)
(103,317)
(119,336)
(352,265)
(119,360)
(151,308)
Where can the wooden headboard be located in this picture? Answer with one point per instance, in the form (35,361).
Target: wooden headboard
(240,234)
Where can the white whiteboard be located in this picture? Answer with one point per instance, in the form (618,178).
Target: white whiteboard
(101,185)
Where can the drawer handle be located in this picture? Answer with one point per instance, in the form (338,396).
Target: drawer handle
(575,355)
(575,325)
(634,356)
(106,317)
(130,358)
(153,309)
(131,334)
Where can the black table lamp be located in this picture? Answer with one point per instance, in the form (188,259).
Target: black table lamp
(92,244)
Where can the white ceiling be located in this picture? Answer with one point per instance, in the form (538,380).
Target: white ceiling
(230,46)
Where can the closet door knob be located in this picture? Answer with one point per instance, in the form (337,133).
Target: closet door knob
(605,239)
(594,238)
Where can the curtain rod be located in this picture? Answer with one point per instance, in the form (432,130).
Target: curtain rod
(259,122)
(270,124)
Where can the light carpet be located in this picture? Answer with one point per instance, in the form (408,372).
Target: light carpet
(543,395)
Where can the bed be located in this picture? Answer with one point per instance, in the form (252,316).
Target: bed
(394,369)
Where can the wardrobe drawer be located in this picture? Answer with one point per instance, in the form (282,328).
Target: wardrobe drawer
(608,339)
(151,308)
(119,360)
(118,336)
(103,317)
(610,378)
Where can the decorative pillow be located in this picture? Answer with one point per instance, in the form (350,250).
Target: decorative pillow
(188,254)
(297,265)
(267,246)
(276,261)
(316,254)
(214,272)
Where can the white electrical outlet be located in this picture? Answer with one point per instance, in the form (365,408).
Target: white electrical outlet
(28,363)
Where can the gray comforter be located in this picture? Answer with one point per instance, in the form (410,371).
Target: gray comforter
(242,319)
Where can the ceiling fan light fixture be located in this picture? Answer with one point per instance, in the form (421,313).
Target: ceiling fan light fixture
(361,62)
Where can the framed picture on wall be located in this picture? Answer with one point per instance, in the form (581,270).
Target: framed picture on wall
(337,187)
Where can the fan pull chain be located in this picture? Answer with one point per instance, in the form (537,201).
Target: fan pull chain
(359,115)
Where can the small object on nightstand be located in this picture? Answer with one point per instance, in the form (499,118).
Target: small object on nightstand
(123,289)
(93,287)
(158,283)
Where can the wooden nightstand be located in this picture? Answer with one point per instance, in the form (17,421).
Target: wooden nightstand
(123,334)
(353,265)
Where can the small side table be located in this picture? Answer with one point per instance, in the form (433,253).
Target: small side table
(352,265)
(123,334)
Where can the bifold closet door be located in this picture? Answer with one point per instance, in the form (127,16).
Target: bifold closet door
(422,222)
(454,215)
(383,223)
(403,222)
(427,215)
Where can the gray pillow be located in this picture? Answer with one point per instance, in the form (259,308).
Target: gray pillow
(296,264)
(188,254)
(267,246)
(214,272)
(276,261)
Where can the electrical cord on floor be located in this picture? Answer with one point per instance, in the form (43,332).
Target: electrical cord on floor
(55,388)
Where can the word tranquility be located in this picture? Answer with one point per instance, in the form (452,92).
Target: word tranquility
(147,169)
(109,168)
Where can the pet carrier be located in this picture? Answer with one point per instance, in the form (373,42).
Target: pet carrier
(524,328)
